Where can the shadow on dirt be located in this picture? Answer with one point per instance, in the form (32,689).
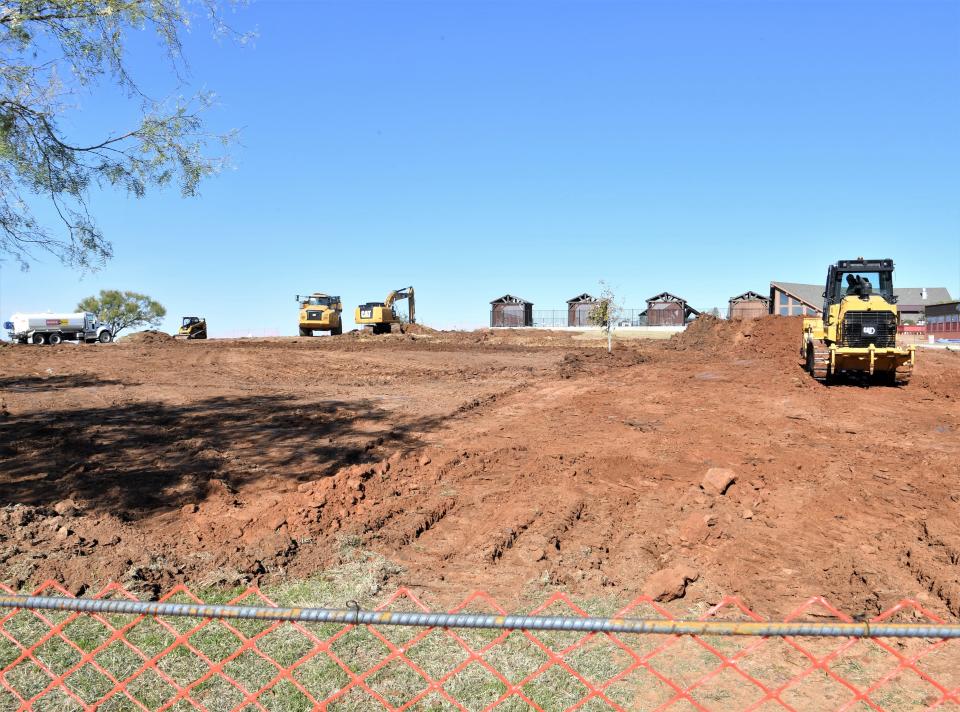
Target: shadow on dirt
(36,384)
(134,460)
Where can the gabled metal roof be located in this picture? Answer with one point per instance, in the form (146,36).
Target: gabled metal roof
(914,295)
(749,297)
(812,294)
(673,298)
(666,297)
(510,299)
(582,298)
(809,294)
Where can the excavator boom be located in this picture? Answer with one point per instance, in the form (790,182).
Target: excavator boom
(381,315)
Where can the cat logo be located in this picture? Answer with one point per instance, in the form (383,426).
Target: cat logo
(870,330)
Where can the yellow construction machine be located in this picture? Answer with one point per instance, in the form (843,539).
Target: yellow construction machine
(320,312)
(381,316)
(192,327)
(858,330)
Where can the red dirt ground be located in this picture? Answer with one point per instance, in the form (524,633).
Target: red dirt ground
(508,461)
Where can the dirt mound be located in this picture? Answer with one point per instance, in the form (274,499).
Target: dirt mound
(768,336)
(419,329)
(150,336)
(936,373)
(772,336)
(706,333)
(590,360)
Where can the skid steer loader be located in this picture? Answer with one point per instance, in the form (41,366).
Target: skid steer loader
(858,330)
(193,327)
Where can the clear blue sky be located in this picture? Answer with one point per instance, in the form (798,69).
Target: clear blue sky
(478,148)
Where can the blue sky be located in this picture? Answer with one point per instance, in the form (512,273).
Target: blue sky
(477,148)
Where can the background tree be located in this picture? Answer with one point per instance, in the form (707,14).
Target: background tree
(606,312)
(122,310)
(51,52)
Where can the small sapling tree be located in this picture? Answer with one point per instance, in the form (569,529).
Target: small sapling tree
(606,312)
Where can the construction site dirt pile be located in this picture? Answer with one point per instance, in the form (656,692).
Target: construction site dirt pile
(770,336)
(149,336)
(515,462)
(420,329)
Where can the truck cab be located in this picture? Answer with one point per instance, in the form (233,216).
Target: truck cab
(320,312)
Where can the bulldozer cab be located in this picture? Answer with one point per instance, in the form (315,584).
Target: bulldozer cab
(189,321)
(858,278)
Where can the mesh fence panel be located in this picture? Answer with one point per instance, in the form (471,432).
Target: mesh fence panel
(52,660)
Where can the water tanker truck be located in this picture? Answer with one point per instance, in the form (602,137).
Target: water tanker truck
(54,328)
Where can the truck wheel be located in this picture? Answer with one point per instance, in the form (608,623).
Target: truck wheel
(336,331)
(54,339)
(38,339)
(105,337)
(306,332)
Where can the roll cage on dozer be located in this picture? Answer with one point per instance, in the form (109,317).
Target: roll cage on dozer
(857,332)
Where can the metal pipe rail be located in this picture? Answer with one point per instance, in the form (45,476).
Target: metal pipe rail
(353,615)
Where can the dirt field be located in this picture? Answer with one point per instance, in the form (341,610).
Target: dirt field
(510,461)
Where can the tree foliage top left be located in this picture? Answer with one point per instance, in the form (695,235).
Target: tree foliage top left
(51,52)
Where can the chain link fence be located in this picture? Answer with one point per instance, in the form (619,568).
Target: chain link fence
(556,318)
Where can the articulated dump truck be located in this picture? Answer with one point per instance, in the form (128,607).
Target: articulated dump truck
(320,312)
(858,330)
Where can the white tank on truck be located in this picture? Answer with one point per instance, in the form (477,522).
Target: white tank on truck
(50,328)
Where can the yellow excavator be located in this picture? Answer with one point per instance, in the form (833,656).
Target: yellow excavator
(320,312)
(381,316)
(192,327)
(858,330)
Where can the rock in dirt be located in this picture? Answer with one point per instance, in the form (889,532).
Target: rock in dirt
(718,480)
(695,529)
(66,508)
(671,583)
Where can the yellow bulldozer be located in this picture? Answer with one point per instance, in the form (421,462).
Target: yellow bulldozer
(858,330)
(192,327)
(381,316)
(320,312)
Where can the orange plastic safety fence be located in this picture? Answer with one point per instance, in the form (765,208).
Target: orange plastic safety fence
(83,661)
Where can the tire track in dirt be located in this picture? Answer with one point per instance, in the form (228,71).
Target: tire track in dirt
(592,465)
(934,559)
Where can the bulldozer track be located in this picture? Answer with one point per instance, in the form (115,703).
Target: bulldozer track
(818,361)
(903,373)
